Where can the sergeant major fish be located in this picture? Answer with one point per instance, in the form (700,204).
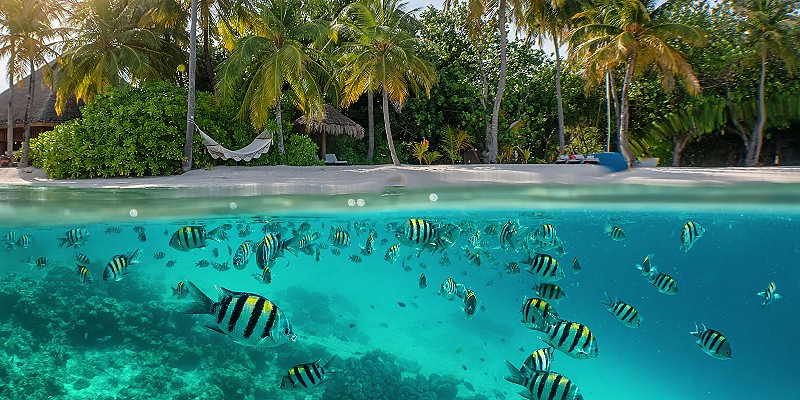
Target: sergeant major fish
(74,238)
(508,235)
(536,313)
(83,274)
(417,234)
(543,385)
(713,343)
(544,267)
(550,292)
(339,237)
(690,234)
(369,246)
(242,256)
(616,233)
(392,254)
(248,319)
(450,289)
(539,360)
(663,282)
(571,338)
(195,237)
(180,291)
(117,267)
(470,304)
(423,282)
(304,376)
(623,312)
(769,295)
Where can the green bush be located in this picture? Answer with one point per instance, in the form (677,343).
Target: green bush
(140,131)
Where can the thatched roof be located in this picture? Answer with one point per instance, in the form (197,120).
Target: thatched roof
(332,123)
(43,111)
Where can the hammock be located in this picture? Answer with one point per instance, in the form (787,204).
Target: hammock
(259,146)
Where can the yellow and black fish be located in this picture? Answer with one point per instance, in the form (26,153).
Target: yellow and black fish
(417,233)
(473,256)
(269,249)
(550,292)
(512,268)
(470,304)
(339,237)
(647,265)
(537,313)
(623,312)
(769,294)
(369,246)
(356,259)
(303,376)
(450,289)
(83,274)
(544,267)
(690,234)
(265,276)
(159,255)
(24,241)
(508,235)
(195,237)
(117,267)
(543,385)
(663,282)
(392,254)
(74,238)
(38,263)
(82,259)
(713,343)
(616,233)
(571,338)
(246,318)
(180,291)
(539,360)
(242,256)
(423,282)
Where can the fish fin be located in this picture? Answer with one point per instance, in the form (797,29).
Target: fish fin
(516,374)
(202,303)
(222,292)
(216,329)
(216,234)
(696,331)
(327,364)
(777,296)
(608,301)
(62,242)
(526,394)
(761,294)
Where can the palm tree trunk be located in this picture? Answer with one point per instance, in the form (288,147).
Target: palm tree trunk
(279,120)
(370,125)
(187,146)
(559,102)
(624,115)
(615,100)
(10,130)
(757,138)
(490,155)
(207,57)
(26,144)
(388,128)
(677,147)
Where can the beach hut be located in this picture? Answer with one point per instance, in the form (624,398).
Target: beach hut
(42,115)
(332,122)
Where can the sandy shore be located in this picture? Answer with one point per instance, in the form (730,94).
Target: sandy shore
(362,179)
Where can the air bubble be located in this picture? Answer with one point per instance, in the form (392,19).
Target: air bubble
(360,202)
(351,202)
(433,197)
(133,213)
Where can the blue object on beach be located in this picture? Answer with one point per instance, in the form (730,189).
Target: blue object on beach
(612,160)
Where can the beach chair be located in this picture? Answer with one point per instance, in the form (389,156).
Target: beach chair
(612,160)
(330,159)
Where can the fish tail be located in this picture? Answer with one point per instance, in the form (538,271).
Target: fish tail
(696,330)
(327,365)
(516,375)
(202,303)
(217,234)
(62,242)
(608,301)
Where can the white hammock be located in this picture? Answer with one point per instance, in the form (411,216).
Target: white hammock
(259,146)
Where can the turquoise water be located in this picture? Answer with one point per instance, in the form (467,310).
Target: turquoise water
(62,338)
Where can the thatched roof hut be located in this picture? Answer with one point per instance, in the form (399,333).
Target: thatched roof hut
(332,123)
(42,115)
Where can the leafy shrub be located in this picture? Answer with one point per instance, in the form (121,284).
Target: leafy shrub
(140,130)
(354,151)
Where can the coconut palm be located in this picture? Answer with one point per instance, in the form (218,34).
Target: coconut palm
(28,40)
(279,51)
(114,43)
(626,33)
(383,59)
(770,30)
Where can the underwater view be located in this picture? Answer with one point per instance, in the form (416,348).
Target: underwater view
(421,296)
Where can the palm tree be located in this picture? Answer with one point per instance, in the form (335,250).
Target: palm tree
(279,51)
(770,30)
(383,58)
(355,20)
(552,20)
(627,34)
(114,43)
(28,41)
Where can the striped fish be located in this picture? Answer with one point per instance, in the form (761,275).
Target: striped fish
(265,276)
(117,267)
(537,313)
(615,233)
(180,291)
(369,246)
(544,267)
(769,295)
(470,304)
(195,237)
(10,237)
(306,242)
(307,375)
(543,385)
(571,338)
(339,237)
(159,255)
(508,235)
(39,263)
(473,256)
(623,312)
(248,319)
(663,282)
(423,282)
(450,289)
(690,234)
(713,343)
(417,233)
(269,249)
(113,229)
(576,266)
(550,292)
(545,233)
(512,268)
(647,265)
(83,274)
(24,241)
(474,240)
(539,360)
(74,238)
(82,259)
(242,256)
(392,254)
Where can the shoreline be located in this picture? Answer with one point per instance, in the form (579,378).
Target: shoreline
(365,179)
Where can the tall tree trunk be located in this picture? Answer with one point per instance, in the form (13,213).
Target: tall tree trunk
(26,144)
(9,113)
(677,147)
(608,111)
(388,128)
(207,57)
(484,90)
(187,146)
(624,115)
(370,125)
(559,102)
(279,120)
(757,138)
(490,155)
(616,108)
